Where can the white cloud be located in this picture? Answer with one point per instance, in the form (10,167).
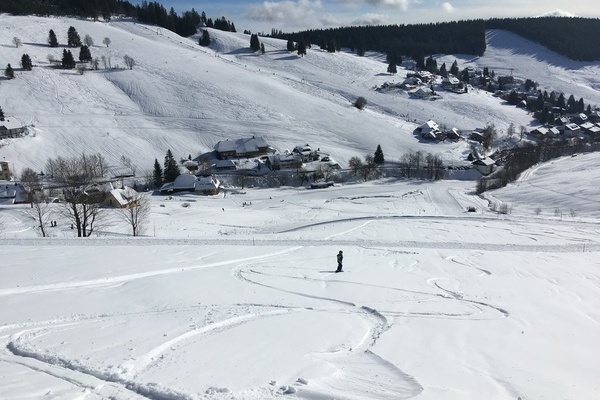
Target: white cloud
(371,19)
(558,13)
(283,11)
(448,7)
(400,4)
(330,20)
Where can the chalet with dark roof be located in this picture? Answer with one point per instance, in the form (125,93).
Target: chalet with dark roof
(242,148)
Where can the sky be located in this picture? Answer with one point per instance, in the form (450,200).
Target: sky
(295,15)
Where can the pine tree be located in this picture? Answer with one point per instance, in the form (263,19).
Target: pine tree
(52,39)
(9,72)
(26,62)
(378,157)
(1,114)
(560,102)
(431,65)
(301,48)
(262,48)
(171,170)
(464,76)
(392,68)
(205,39)
(68,62)
(84,54)
(454,68)
(361,47)
(571,104)
(157,175)
(443,71)
(254,42)
(580,106)
(419,61)
(331,47)
(73,39)
(290,45)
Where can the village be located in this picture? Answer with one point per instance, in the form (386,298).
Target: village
(239,158)
(235,162)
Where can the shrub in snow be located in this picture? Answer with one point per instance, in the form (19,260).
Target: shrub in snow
(287,389)
(185,205)
(360,103)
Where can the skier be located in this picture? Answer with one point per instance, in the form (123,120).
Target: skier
(340,257)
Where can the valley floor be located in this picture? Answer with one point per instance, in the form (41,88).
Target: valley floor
(225,301)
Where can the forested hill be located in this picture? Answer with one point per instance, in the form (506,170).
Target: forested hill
(571,37)
(152,12)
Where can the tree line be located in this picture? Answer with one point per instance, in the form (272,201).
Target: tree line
(517,160)
(566,36)
(152,12)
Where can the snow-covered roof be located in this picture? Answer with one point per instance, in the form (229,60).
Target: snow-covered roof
(429,126)
(10,123)
(123,196)
(587,125)
(241,146)
(184,181)
(484,161)
(572,127)
(452,80)
(191,183)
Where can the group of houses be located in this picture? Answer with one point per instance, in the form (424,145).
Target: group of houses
(575,126)
(430,130)
(255,156)
(244,156)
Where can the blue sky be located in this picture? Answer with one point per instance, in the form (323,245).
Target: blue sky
(295,15)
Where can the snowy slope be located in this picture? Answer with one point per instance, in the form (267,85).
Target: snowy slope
(186,98)
(234,296)
(225,301)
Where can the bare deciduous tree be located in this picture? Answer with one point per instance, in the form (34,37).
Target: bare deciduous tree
(325,171)
(435,167)
(127,163)
(31,183)
(355,164)
(510,132)
(129,61)
(37,198)
(106,41)
(137,213)
(489,136)
(522,132)
(40,211)
(16,41)
(79,178)
(88,41)
(368,167)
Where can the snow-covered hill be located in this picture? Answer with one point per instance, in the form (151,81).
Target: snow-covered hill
(185,97)
(234,296)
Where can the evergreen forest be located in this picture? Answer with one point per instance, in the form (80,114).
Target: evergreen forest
(569,36)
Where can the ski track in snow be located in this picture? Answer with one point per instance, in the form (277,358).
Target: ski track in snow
(361,354)
(133,368)
(404,386)
(118,280)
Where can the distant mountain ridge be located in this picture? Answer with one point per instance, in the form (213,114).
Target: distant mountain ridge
(564,35)
(558,31)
